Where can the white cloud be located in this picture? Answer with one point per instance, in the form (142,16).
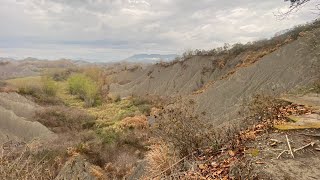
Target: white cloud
(113,29)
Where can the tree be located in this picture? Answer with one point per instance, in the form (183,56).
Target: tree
(296,5)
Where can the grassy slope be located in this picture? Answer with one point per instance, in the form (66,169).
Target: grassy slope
(108,114)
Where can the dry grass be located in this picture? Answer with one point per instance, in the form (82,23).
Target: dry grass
(136,122)
(160,158)
(22,162)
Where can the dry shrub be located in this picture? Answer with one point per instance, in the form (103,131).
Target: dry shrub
(121,167)
(160,158)
(117,158)
(4,87)
(3,84)
(264,107)
(22,162)
(185,131)
(61,119)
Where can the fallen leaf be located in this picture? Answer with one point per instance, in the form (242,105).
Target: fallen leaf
(231,153)
(202,166)
(214,164)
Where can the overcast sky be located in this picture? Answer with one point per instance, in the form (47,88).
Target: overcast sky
(104,30)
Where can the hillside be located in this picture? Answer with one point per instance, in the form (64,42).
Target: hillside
(225,85)
(150,58)
(10,68)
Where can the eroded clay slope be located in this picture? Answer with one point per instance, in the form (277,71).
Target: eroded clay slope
(224,89)
(16,119)
(292,66)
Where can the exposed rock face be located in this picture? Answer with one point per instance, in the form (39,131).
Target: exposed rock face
(16,119)
(79,169)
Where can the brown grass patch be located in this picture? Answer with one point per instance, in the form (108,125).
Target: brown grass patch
(136,122)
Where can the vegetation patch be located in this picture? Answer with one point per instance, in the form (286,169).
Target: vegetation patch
(61,119)
(85,88)
(42,88)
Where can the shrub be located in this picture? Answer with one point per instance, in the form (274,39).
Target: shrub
(49,87)
(143,104)
(3,84)
(43,91)
(61,119)
(264,107)
(160,158)
(186,132)
(61,74)
(85,88)
(23,162)
(316,87)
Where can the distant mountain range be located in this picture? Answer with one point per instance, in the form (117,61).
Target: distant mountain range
(150,58)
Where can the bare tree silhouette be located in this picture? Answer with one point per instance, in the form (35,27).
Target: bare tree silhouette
(296,5)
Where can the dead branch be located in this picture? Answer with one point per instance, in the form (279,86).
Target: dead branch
(295,7)
(307,145)
(282,153)
(290,150)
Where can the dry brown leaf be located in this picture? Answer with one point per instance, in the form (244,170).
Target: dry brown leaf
(231,153)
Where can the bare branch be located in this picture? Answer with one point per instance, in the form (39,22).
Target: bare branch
(295,6)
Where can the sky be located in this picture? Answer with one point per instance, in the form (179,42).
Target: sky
(110,30)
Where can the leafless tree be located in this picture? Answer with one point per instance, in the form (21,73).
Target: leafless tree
(296,5)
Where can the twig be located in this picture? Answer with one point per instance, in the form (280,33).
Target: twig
(290,150)
(307,145)
(282,153)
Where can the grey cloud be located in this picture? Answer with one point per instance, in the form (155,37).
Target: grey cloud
(121,27)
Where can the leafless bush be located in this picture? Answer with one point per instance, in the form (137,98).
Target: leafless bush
(185,131)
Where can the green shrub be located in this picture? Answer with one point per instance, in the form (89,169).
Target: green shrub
(49,87)
(43,91)
(85,88)
(143,104)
